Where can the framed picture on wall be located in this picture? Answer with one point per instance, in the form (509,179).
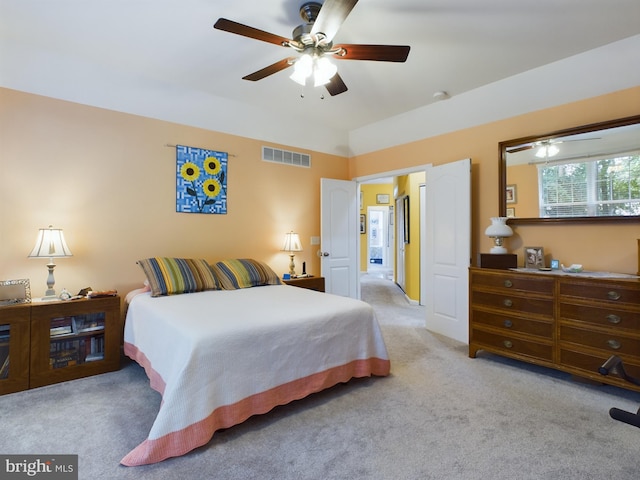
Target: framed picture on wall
(382,198)
(511,194)
(511,212)
(363,223)
(405,203)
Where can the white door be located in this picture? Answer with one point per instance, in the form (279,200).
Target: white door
(339,235)
(448,248)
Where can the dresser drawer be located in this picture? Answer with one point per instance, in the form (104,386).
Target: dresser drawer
(513,282)
(602,317)
(513,323)
(508,344)
(609,343)
(614,292)
(591,363)
(513,303)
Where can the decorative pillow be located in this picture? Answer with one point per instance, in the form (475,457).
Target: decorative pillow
(172,276)
(244,273)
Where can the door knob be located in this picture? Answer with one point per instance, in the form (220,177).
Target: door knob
(323,254)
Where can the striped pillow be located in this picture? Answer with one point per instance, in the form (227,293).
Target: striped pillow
(243,273)
(172,276)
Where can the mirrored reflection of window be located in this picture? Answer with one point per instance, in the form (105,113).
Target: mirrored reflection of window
(599,187)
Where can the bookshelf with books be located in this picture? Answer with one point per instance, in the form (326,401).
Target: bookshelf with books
(74,339)
(14,348)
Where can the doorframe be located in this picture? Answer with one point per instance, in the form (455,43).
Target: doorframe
(392,173)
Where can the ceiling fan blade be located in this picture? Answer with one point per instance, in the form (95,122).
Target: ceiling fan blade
(246,31)
(336,86)
(332,14)
(377,53)
(270,70)
(520,149)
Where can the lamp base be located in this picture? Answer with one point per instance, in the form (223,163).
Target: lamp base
(47,298)
(292,265)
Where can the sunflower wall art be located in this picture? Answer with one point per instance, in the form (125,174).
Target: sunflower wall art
(201,180)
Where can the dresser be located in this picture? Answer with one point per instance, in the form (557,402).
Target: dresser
(572,323)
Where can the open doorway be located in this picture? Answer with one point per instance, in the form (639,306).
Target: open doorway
(380,242)
(398,194)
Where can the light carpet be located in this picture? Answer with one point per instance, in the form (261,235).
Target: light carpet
(439,415)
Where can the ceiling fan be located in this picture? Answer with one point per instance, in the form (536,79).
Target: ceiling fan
(314,41)
(545,147)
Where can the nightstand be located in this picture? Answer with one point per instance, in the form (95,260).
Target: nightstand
(311,283)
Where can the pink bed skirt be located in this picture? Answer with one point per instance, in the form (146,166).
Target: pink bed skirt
(197,434)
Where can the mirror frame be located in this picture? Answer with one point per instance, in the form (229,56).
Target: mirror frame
(502,172)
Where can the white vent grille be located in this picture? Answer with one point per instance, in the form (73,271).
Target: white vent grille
(284,156)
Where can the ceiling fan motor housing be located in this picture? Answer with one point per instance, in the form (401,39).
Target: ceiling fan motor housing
(309,11)
(302,34)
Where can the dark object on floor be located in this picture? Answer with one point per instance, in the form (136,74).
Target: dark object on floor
(614,366)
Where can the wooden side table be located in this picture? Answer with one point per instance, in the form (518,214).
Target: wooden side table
(311,283)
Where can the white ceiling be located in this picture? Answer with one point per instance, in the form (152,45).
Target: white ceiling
(163,59)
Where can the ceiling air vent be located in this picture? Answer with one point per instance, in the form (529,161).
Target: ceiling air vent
(284,156)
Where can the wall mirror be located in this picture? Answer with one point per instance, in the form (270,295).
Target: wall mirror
(584,174)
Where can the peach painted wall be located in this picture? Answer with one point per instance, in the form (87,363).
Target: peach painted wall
(598,247)
(525,179)
(108,180)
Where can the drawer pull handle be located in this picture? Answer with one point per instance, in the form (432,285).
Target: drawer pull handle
(507,344)
(613,295)
(508,283)
(508,323)
(508,302)
(615,319)
(614,344)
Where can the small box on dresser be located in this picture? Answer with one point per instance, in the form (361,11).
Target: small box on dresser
(497,260)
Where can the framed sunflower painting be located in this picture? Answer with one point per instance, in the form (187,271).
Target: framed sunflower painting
(201,180)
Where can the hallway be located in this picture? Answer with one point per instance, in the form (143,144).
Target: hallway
(389,301)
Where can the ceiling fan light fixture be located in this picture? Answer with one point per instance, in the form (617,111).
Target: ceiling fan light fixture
(302,69)
(323,71)
(311,65)
(546,151)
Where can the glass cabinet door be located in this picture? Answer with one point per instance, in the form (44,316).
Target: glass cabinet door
(14,348)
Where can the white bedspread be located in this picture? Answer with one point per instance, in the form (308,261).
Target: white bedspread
(219,357)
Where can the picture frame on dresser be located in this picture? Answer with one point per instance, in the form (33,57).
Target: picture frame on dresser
(13,292)
(533,257)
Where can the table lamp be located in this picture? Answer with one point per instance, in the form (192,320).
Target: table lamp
(50,244)
(292,244)
(498,230)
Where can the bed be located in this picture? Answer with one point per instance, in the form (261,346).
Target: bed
(218,356)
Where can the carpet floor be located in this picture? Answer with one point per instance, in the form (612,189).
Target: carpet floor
(439,415)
